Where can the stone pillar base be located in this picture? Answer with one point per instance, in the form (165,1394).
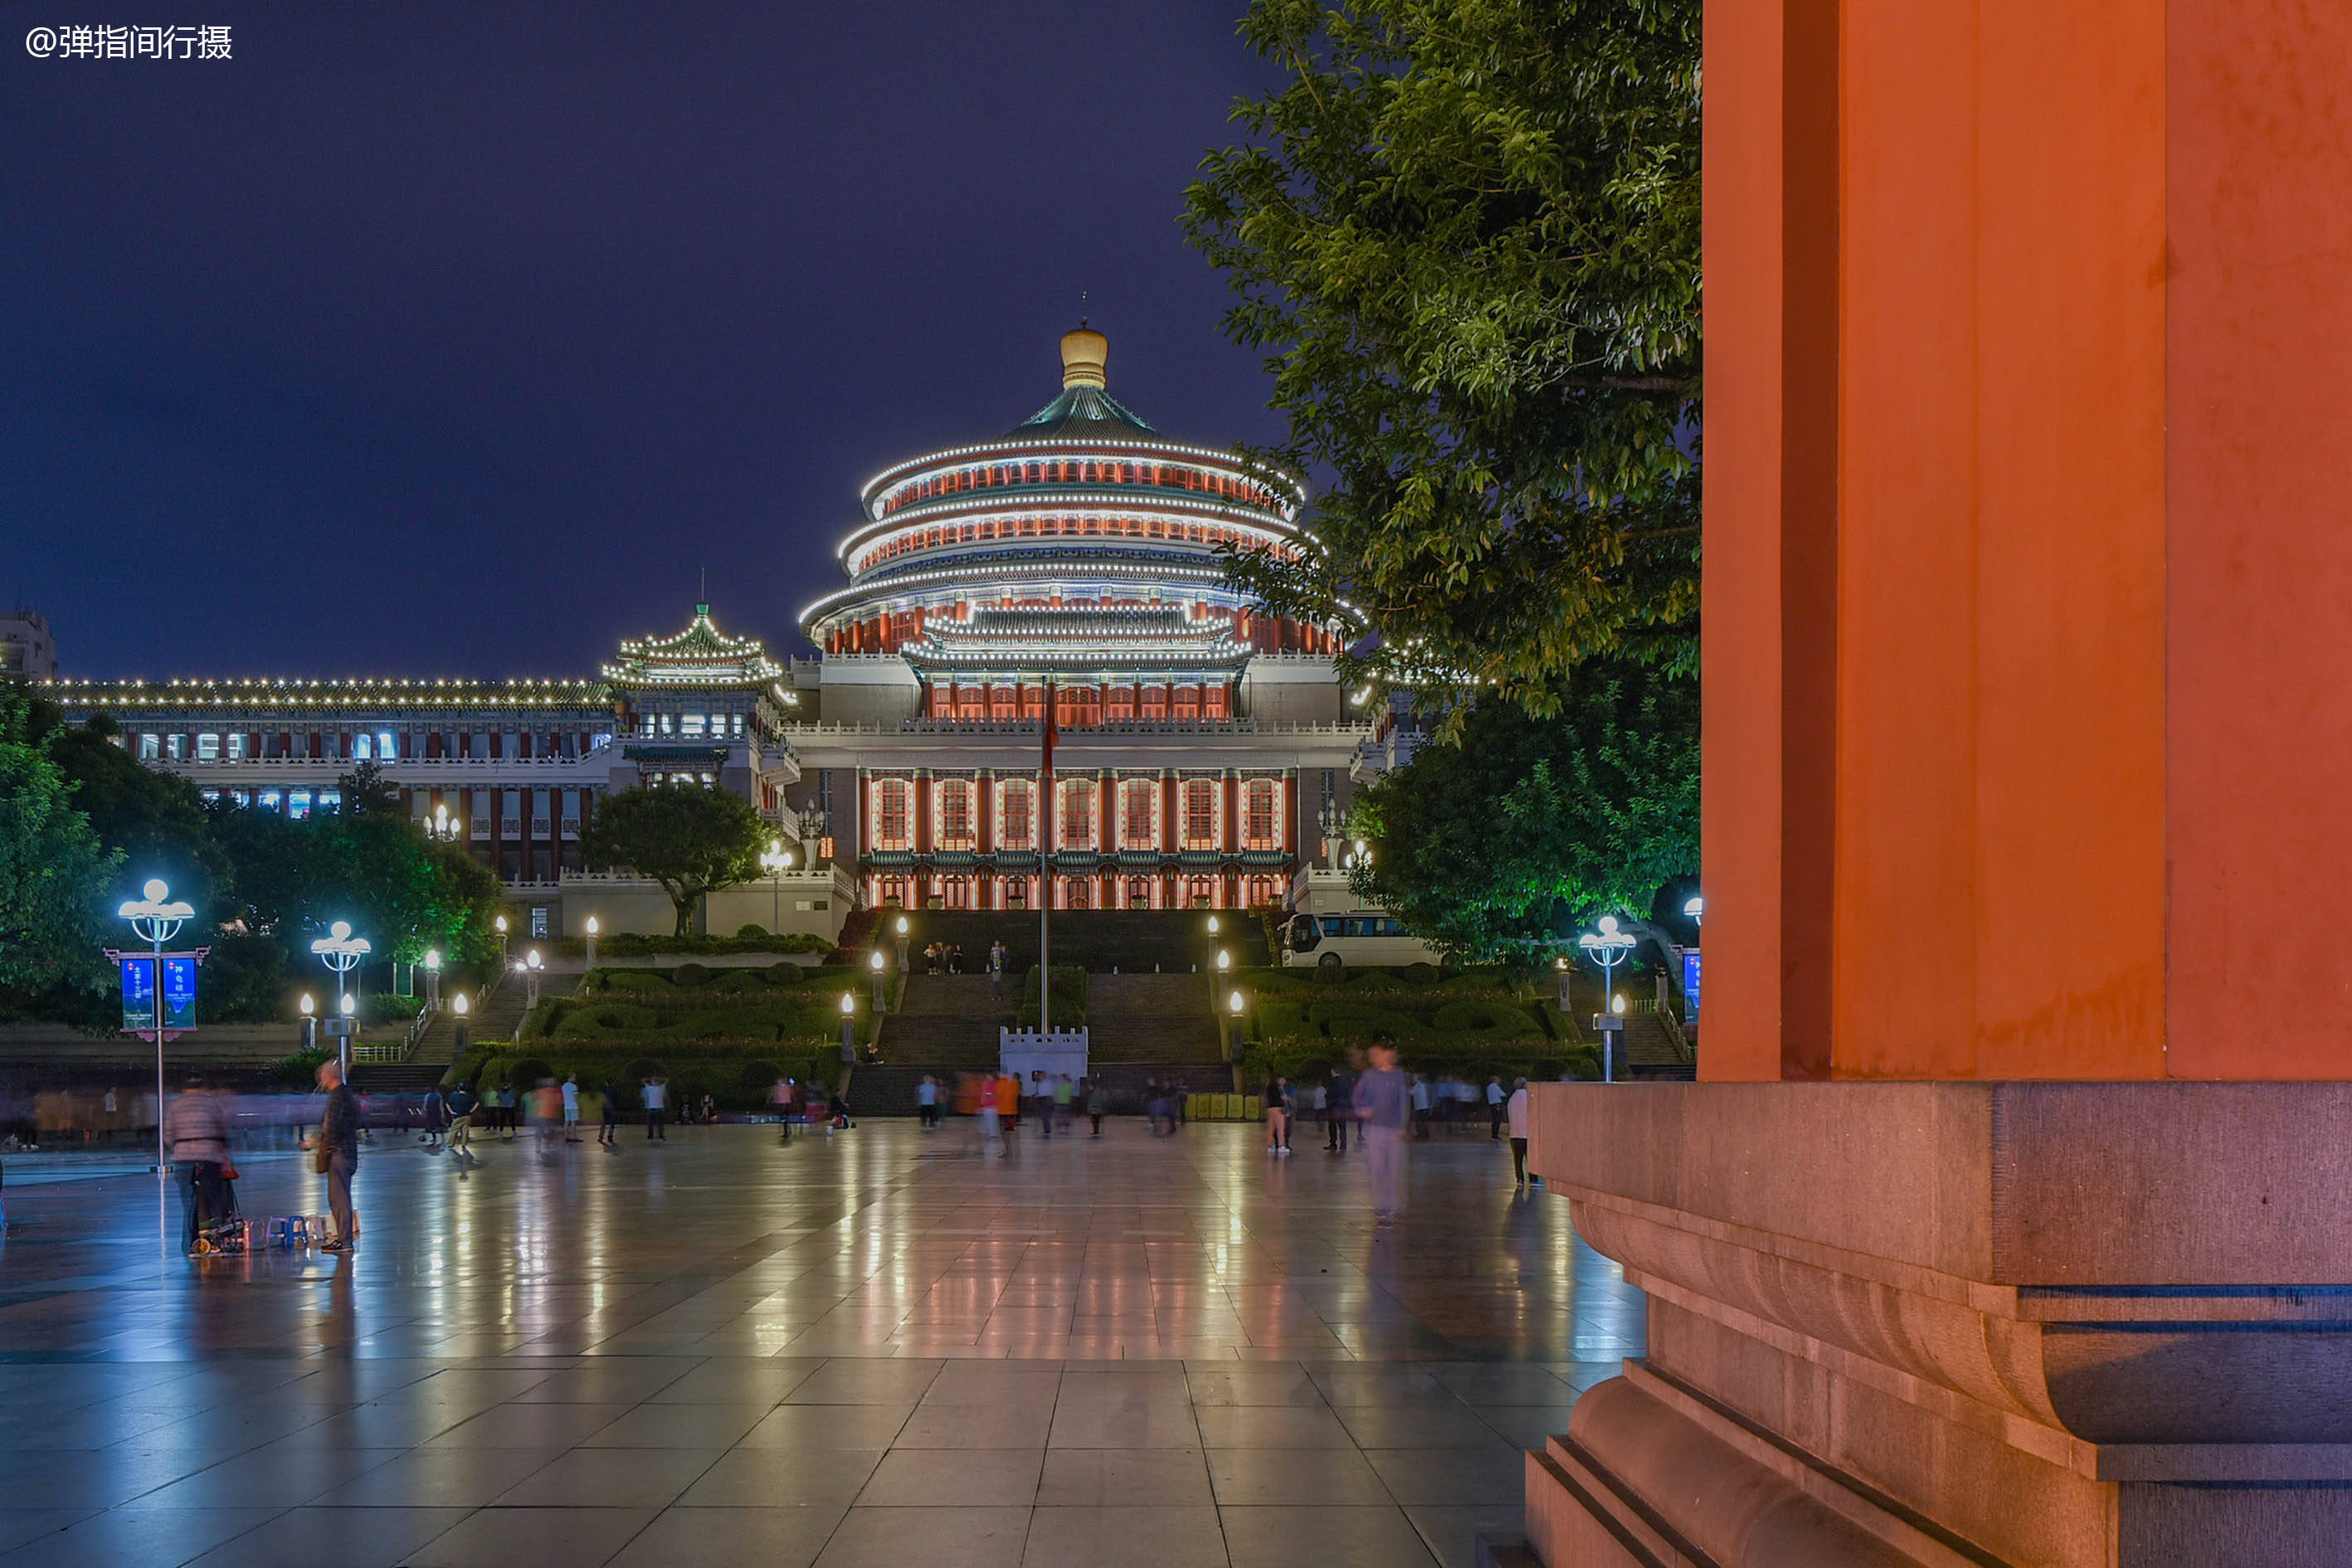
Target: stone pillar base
(1961,1324)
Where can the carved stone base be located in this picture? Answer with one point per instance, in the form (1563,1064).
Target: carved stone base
(1961,1324)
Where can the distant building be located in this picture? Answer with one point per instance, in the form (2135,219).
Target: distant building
(1205,751)
(28,651)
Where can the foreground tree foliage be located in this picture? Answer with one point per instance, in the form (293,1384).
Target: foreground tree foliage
(690,839)
(1466,233)
(1494,848)
(86,824)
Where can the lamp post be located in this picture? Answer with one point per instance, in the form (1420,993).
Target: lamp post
(309,1023)
(1236,1004)
(1692,909)
(1608,947)
(433,980)
(530,967)
(849,1022)
(775,857)
(592,942)
(457,1005)
(903,929)
(442,828)
(874,960)
(1217,979)
(501,923)
(340,951)
(157,918)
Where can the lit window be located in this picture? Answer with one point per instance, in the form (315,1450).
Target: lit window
(1258,820)
(1200,813)
(891,811)
(1078,813)
(363,746)
(210,796)
(386,746)
(691,724)
(298,803)
(955,817)
(330,800)
(209,747)
(176,747)
(151,747)
(236,746)
(1136,813)
(1019,809)
(271,800)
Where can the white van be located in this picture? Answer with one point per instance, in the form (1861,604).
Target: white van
(1371,937)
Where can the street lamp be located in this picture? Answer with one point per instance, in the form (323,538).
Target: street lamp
(849,1024)
(457,1005)
(530,966)
(309,1024)
(501,923)
(874,962)
(1608,947)
(433,980)
(157,918)
(903,928)
(442,828)
(340,951)
(1359,853)
(1692,909)
(775,859)
(1213,925)
(592,942)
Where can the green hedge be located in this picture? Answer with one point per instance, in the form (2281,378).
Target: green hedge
(631,944)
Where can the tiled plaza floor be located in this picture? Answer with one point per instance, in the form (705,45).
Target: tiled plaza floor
(865,1350)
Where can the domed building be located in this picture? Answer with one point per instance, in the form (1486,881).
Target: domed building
(1074,561)
(1202,750)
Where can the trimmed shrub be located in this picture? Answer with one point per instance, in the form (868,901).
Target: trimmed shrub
(749,930)
(1420,975)
(629,980)
(687,976)
(1477,1015)
(524,1072)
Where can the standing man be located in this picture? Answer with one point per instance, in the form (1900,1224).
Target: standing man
(572,1108)
(1494,1097)
(608,1131)
(436,1117)
(996,971)
(1420,1093)
(1342,1112)
(781,1098)
(927,1101)
(1383,1104)
(656,1094)
(461,1119)
(1517,1111)
(337,1143)
(195,1129)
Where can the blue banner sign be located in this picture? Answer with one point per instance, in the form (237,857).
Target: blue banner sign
(1690,984)
(138,995)
(179,991)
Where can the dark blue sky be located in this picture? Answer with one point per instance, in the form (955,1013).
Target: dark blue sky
(456,339)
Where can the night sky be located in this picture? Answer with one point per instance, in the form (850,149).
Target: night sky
(456,340)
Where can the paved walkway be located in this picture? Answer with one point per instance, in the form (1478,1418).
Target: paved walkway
(865,1350)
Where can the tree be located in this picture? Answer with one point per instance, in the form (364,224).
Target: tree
(691,839)
(1491,848)
(1467,234)
(55,877)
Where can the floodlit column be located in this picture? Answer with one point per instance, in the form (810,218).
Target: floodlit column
(1995,1222)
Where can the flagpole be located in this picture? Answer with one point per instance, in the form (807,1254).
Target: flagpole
(1045,879)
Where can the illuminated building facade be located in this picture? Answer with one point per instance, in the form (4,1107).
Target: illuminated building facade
(1204,748)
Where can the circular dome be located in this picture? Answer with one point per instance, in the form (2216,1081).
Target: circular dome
(1083,510)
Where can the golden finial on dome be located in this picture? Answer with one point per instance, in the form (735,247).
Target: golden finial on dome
(1084,353)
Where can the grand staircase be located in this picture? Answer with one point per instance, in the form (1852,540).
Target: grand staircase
(945,1022)
(1160,1019)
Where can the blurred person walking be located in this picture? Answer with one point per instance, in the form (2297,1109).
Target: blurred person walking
(1384,1105)
(1515,1113)
(195,1131)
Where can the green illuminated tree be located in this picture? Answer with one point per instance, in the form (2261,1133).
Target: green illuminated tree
(690,839)
(1492,848)
(55,877)
(1466,233)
